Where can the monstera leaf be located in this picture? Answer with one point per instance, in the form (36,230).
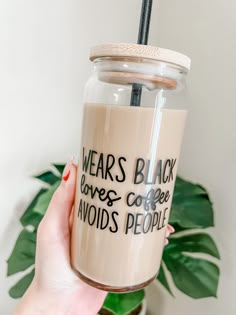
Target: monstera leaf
(191,206)
(191,211)
(122,303)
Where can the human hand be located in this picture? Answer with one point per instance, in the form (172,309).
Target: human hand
(55,288)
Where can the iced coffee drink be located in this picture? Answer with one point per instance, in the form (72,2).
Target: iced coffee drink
(127,168)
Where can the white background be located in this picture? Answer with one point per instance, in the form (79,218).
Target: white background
(44,47)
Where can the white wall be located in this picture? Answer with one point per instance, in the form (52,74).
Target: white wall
(206,31)
(44,64)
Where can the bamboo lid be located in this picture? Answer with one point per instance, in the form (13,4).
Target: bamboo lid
(140,51)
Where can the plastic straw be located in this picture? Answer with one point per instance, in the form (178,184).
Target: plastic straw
(143,33)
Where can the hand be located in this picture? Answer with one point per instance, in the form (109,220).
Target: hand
(55,288)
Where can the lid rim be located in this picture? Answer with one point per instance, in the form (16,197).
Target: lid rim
(140,51)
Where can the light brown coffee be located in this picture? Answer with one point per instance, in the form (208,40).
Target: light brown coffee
(127,169)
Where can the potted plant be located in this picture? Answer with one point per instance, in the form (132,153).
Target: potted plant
(191,213)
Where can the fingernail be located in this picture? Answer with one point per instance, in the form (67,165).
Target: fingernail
(167,233)
(170,228)
(166,241)
(66,172)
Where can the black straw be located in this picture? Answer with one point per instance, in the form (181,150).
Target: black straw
(143,33)
(144,22)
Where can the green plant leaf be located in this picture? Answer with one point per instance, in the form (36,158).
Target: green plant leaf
(161,277)
(179,228)
(44,200)
(23,254)
(191,206)
(198,278)
(30,217)
(21,286)
(123,303)
(59,167)
(188,188)
(194,243)
(48,177)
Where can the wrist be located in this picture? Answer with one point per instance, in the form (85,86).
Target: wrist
(32,302)
(82,300)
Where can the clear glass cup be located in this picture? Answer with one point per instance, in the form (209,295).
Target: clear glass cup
(133,123)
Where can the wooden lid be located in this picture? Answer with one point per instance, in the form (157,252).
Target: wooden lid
(140,51)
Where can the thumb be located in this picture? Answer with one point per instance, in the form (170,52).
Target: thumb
(55,224)
(53,236)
